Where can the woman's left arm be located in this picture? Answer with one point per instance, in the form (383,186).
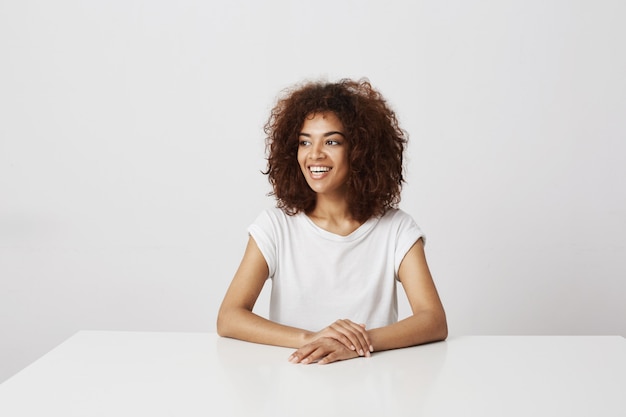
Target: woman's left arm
(428,321)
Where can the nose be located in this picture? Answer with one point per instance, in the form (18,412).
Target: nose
(316,151)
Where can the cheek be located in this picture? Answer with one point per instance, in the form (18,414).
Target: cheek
(343,158)
(300,158)
(301,163)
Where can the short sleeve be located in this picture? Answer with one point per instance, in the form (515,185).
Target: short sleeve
(263,231)
(408,232)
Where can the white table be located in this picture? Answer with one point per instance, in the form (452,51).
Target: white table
(137,374)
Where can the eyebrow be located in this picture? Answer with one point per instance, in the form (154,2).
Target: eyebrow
(327,134)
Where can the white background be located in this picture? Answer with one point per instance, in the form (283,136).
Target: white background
(131,146)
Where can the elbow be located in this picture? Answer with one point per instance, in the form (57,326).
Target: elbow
(430,326)
(230,321)
(222,323)
(441,327)
(437,328)
(443,331)
(220,329)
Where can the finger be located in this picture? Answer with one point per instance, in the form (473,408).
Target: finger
(313,354)
(368,344)
(337,355)
(360,331)
(357,335)
(294,357)
(327,351)
(330,358)
(369,348)
(323,351)
(357,340)
(345,336)
(340,335)
(300,354)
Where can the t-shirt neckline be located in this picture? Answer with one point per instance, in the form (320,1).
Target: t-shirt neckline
(357,233)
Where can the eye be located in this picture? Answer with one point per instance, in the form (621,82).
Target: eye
(332,142)
(304,143)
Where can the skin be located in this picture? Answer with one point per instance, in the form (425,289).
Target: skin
(322,147)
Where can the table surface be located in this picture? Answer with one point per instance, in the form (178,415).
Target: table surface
(98,373)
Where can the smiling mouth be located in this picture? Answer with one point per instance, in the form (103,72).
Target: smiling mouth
(319,170)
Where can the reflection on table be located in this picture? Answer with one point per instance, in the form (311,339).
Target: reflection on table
(118,374)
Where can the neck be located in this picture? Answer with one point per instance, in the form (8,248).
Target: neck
(331,207)
(333,215)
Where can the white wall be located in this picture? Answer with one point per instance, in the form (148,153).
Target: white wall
(131,143)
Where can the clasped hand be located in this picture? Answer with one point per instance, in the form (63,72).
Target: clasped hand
(341,340)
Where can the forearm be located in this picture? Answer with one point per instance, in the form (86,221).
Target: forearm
(422,327)
(239,323)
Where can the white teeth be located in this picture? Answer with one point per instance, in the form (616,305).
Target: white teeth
(316,170)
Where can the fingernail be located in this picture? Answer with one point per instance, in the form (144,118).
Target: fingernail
(371,348)
(352,347)
(361,352)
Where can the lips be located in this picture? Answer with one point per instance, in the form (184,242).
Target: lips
(319,171)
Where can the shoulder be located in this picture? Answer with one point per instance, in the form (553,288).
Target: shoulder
(273,215)
(402,225)
(274,219)
(397,217)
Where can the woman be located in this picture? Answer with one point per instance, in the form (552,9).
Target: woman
(336,244)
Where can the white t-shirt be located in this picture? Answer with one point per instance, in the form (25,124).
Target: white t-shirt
(319,277)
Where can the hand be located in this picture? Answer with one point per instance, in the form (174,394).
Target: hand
(323,350)
(353,336)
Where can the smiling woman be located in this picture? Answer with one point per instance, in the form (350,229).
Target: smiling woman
(370,130)
(336,244)
(323,156)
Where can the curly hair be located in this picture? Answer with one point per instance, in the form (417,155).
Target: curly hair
(375,141)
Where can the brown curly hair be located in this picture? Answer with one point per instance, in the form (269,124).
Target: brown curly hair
(375,141)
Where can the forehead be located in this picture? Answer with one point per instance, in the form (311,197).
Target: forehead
(322,121)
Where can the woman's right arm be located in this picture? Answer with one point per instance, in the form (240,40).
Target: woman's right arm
(235,318)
